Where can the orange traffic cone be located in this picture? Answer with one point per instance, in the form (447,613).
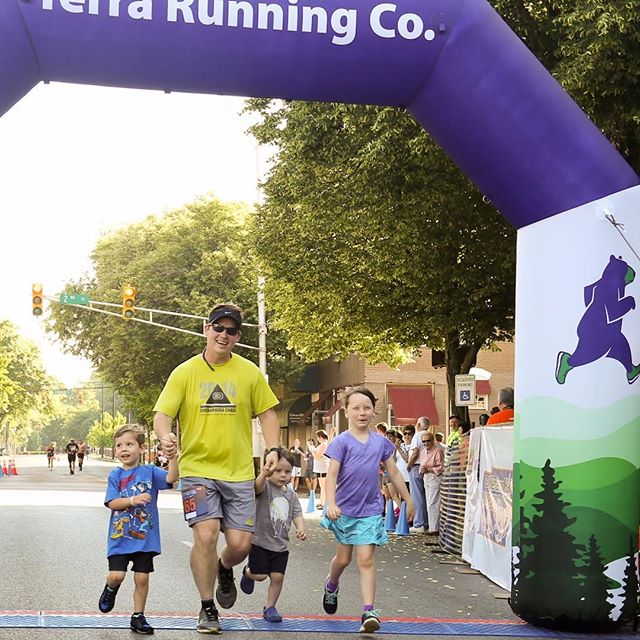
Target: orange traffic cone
(12,467)
(4,467)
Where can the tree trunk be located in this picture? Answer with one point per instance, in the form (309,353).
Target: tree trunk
(459,358)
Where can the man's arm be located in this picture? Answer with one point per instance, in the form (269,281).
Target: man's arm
(162,428)
(414,448)
(271,432)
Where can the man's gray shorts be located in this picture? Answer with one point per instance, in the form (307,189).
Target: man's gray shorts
(233,503)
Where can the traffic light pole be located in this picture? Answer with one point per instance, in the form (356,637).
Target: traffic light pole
(94,305)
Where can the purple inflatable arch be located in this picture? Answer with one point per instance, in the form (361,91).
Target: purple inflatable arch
(454,64)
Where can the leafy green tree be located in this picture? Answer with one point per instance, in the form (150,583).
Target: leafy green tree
(183,261)
(25,387)
(591,47)
(101,432)
(373,242)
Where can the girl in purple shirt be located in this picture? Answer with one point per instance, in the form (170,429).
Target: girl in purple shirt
(354,503)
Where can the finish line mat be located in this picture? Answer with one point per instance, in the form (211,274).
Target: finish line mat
(300,624)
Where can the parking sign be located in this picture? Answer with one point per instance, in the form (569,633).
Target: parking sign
(465,390)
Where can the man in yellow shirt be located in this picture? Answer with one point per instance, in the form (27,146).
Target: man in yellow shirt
(214,396)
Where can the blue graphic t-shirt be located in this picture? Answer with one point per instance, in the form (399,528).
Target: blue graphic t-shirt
(137,528)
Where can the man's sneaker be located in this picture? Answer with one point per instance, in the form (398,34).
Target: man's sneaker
(270,614)
(139,624)
(226,592)
(108,598)
(330,600)
(416,529)
(246,584)
(370,622)
(208,621)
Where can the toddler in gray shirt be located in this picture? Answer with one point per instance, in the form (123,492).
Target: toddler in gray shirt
(277,506)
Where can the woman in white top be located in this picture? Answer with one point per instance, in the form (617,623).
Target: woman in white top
(320,461)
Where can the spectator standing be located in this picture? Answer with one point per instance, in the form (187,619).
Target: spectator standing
(454,430)
(431,468)
(296,471)
(402,449)
(416,483)
(277,506)
(321,462)
(309,475)
(505,407)
(218,392)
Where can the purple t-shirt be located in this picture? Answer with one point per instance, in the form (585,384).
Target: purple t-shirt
(358,492)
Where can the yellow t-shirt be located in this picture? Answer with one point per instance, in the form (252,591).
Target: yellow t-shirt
(215,410)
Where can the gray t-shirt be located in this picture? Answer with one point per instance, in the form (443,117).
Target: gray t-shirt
(275,510)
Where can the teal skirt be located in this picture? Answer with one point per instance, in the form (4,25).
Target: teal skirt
(350,530)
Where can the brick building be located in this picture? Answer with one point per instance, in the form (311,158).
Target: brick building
(403,394)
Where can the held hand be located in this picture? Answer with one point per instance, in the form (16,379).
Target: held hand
(422,470)
(301,534)
(267,473)
(141,499)
(270,462)
(169,444)
(333,512)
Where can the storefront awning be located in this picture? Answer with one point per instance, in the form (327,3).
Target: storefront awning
(483,388)
(411,402)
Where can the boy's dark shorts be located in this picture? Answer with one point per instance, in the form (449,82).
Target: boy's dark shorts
(142,561)
(264,561)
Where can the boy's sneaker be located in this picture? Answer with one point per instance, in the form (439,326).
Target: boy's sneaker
(330,600)
(139,624)
(246,584)
(270,614)
(108,598)
(370,622)
(226,592)
(208,621)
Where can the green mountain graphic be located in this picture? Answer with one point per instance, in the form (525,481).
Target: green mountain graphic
(604,495)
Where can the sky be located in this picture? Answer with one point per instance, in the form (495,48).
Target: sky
(77,161)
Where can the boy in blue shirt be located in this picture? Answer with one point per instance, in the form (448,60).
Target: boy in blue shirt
(134,532)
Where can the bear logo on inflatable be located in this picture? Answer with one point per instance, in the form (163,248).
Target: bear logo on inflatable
(600,328)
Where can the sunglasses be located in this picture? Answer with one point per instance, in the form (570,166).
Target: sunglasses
(429,440)
(220,328)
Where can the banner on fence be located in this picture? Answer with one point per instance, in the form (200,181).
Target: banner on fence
(486,543)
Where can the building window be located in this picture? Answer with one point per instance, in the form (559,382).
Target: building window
(482,403)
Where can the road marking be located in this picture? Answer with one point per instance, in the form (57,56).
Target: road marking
(188,543)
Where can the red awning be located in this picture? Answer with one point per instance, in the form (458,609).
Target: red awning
(411,402)
(483,387)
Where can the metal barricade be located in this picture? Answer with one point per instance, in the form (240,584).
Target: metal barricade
(453,495)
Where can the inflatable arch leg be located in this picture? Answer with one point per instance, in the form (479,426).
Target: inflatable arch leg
(576,477)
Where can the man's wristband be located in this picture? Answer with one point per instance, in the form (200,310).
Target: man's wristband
(272,449)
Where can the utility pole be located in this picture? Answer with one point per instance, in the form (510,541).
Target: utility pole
(262,328)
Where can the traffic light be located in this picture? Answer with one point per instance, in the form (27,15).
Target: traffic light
(36,299)
(128,301)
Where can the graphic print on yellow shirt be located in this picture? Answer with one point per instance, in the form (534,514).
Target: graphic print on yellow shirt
(215,408)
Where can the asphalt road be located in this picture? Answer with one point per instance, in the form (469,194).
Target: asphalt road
(52,558)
